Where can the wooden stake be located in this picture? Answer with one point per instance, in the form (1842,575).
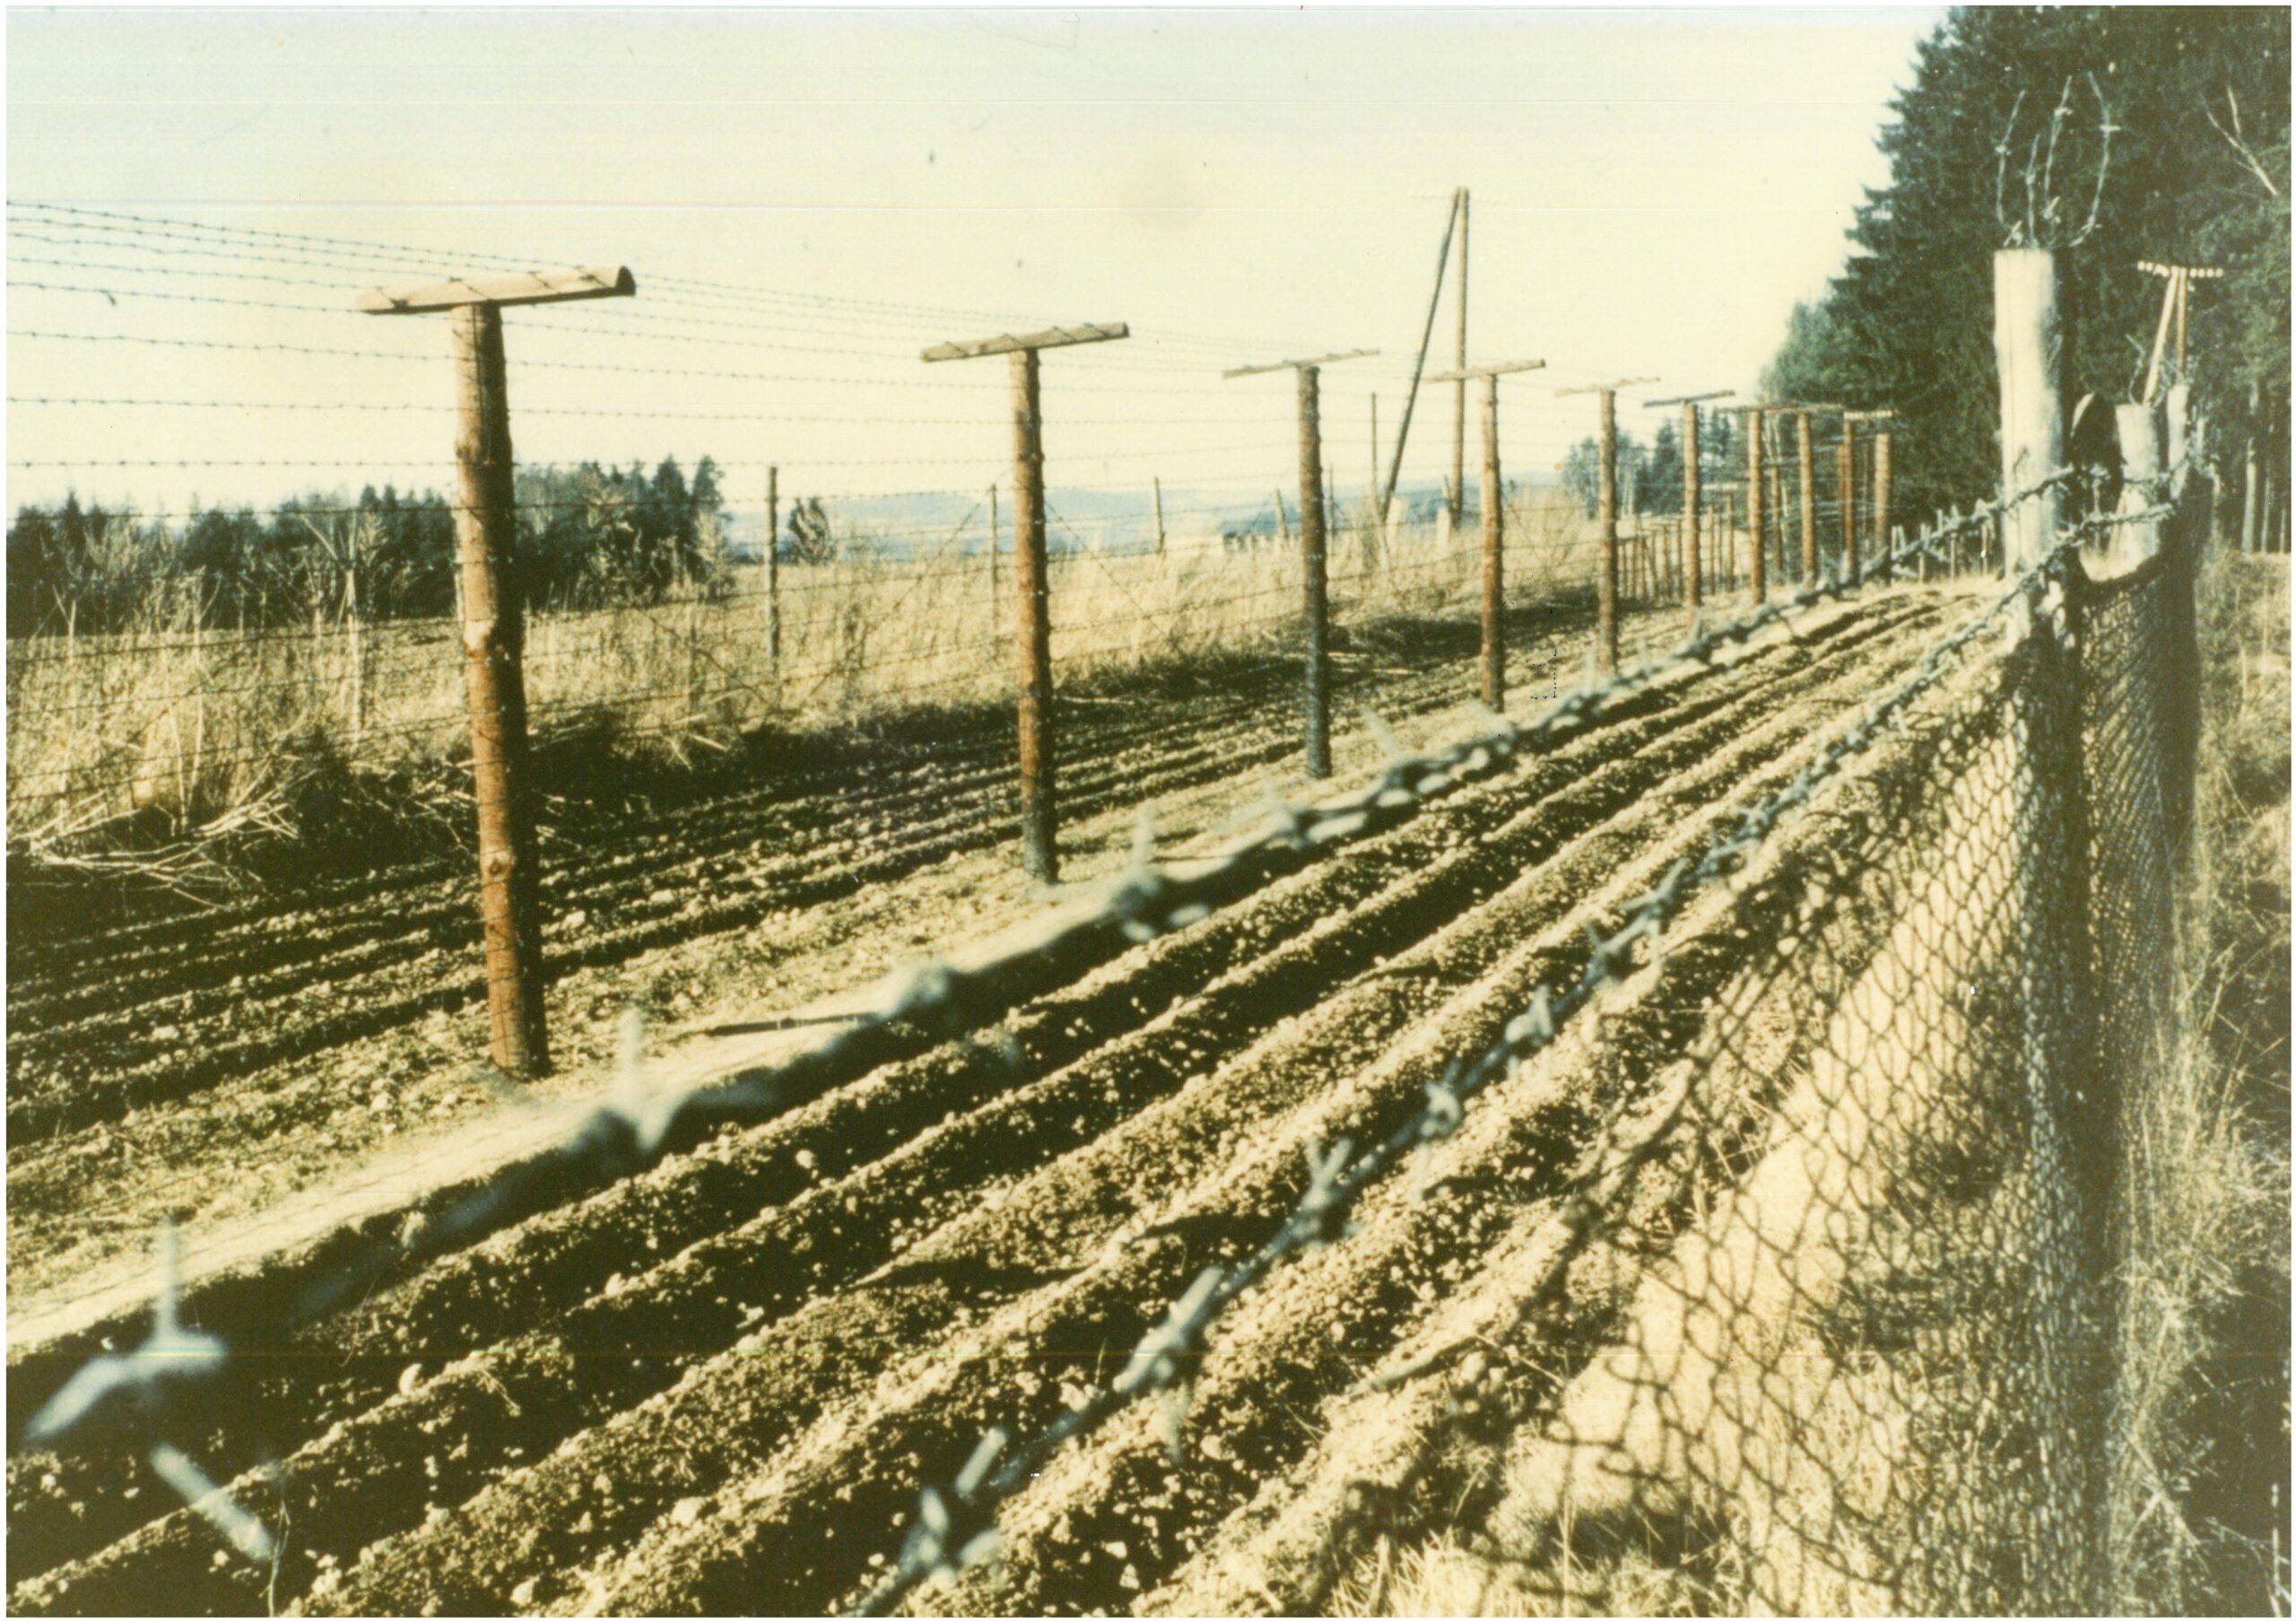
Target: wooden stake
(1806,471)
(995,544)
(1882,488)
(1156,485)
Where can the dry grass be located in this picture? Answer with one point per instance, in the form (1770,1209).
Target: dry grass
(171,735)
(2202,1426)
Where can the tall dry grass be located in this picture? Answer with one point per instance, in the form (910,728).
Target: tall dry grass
(172,733)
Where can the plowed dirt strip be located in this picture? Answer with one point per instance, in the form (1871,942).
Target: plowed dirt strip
(1298,1002)
(1292,945)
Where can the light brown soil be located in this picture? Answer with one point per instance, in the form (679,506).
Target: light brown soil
(719,1385)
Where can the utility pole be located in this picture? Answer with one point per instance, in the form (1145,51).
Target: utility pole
(1040,855)
(1459,387)
(1693,581)
(1606,517)
(1493,501)
(1313,546)
(493,628)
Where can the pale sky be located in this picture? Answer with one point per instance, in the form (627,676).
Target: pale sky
(1652,190)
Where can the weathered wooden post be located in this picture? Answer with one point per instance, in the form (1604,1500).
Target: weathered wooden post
(1694,572)
(1879,442)
(1606,516)
(1757,490)
(995,541)
(2142,435)
(773,569)
(1491,496)
(493,628)
(1807,473)
(1845,492)
(1314,530)
(1040,854)
(2252,499)
(2028,341)
(1156,488)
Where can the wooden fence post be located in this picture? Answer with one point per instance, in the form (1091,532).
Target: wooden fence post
(1881,487)
(1156,485)
(1315,524)
(1693,563)
(773,569)
(1311,570)
(1039,852)
(493,631)
(2028,339)
(1493,498)
(996,542)
(1757,489)
(1806,471)
(1032,572)
(1494,554)
(1607,521)
(1846,488)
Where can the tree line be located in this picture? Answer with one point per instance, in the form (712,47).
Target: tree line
(589,536)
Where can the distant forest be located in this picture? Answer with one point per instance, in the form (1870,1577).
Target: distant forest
(589,537)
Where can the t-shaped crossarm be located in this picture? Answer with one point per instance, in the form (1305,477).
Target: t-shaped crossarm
(525,287)
(1461,374)
(1282,366)
(1676,400)
(1051,338)
(1604,389)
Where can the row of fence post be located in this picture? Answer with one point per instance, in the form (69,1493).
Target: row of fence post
(493,624)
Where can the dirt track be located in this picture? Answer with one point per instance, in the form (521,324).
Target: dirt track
(720,1384)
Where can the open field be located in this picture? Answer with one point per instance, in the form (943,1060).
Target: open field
(482,1437)
(173,730)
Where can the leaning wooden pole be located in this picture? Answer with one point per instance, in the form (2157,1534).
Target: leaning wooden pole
(1418,367)
(2027,353)
(1459,389)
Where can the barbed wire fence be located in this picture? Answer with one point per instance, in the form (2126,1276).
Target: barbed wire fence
(1896,1098)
